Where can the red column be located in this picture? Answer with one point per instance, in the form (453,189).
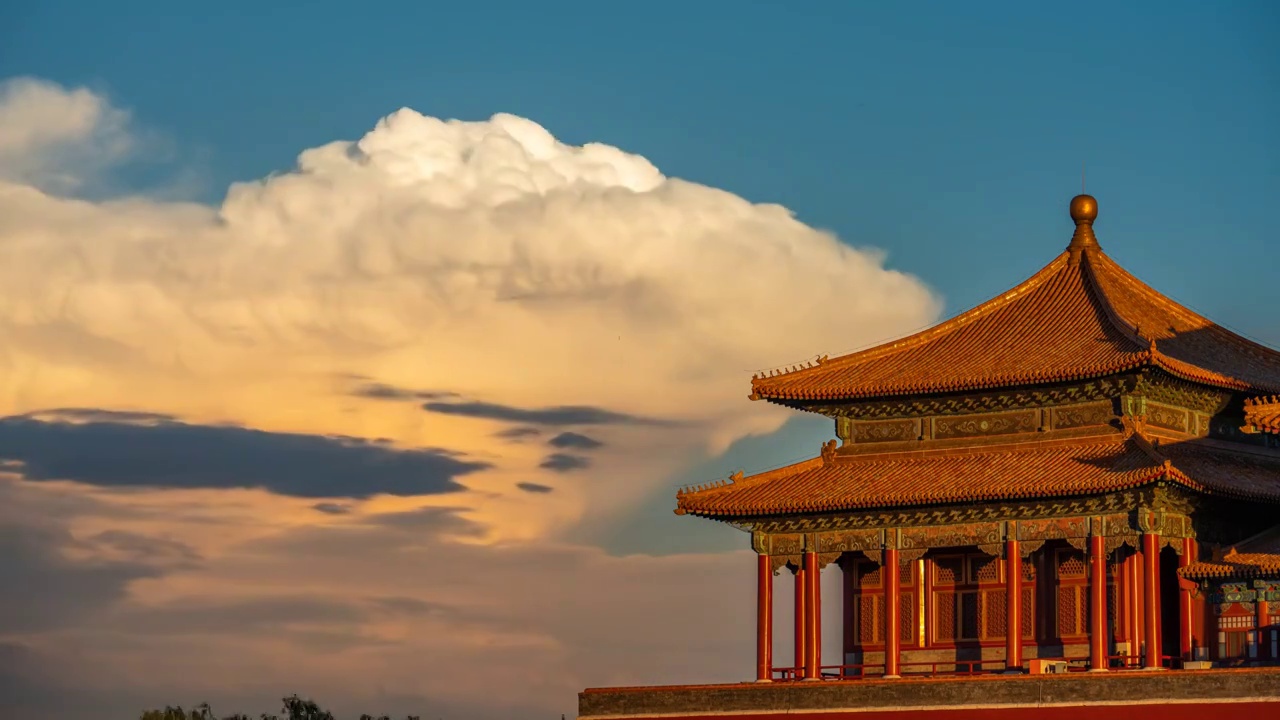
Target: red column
(813,635)
(1136,588)
(1199,639)
(1185,624)
(1097,604)
(802,622)
(1013,611)
(850,597)
(764,619)
(1124,631)
(1151,597)
(892,606)
(1262,608)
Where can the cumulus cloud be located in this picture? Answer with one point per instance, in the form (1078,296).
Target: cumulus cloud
(53,138)
(326,332)
(522,281)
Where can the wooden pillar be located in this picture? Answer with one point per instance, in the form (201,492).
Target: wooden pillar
(1186,623)
(764,619)
(890,574)
(813,614)
(802,622)
(1151,597)
(1097,605)
(1013,606)
(1124,630)
(1262,610)
(1135,607)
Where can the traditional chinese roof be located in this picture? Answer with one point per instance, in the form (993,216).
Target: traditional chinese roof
(1041,469)
(1262,415)
(1258,556)
(1081,316)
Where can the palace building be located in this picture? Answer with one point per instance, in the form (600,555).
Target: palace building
(1021,483)
(1078,475)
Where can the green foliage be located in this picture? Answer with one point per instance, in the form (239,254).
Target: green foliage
(295,708)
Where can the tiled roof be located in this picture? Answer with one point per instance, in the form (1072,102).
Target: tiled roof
(1258,556)
(1080,316)
(1037,469)
(1262,415)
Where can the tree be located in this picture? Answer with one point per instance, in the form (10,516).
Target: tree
(294,708)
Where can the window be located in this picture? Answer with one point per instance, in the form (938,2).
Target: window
(970,601)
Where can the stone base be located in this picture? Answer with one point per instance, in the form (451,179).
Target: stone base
(1132,695)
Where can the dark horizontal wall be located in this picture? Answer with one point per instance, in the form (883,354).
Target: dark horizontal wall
(950,693)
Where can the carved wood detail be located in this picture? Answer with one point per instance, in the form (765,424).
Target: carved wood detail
(992,549)
(825,559)
(850,540)
(944,536)
(985,424)
(1114,542)
(790,544)
(874,431)
(1053,529)
(1006,399)
(908,556)
(1026,548)
(1082,415)
(1109,504)
(1170,418)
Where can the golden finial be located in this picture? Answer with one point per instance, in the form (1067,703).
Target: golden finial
(1084,210)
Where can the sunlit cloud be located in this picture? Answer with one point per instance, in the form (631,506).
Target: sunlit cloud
(354,410)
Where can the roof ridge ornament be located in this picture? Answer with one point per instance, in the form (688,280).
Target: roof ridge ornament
(1084,210)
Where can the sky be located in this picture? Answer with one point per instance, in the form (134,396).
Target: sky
(358,352)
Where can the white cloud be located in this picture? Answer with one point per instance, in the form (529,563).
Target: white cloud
(52,138)
(485,259)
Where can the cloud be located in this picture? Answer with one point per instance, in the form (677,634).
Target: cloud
(575,441)
(52,138)
(543,284)
(561,415)
(382,391)
(45,589)
(177,455)
(548,287)
(518,433)
(564,462)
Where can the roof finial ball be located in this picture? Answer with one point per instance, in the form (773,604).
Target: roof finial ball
(1084,209)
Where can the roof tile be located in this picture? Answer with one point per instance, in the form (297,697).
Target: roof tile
(1080,316)
(1037,469)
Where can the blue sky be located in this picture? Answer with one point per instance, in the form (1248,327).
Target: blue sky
(950,135)
(213,364)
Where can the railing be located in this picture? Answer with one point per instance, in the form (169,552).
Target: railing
(859,671)
(945,668)
(1139,662)
(852,672)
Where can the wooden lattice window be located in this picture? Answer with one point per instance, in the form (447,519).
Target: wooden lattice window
(948,571)
(1028,613)
(945,615)
(907,622)
(869,575)
(983,569)
(868,620)
(1071,564)
(995,613)
(1073,593)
